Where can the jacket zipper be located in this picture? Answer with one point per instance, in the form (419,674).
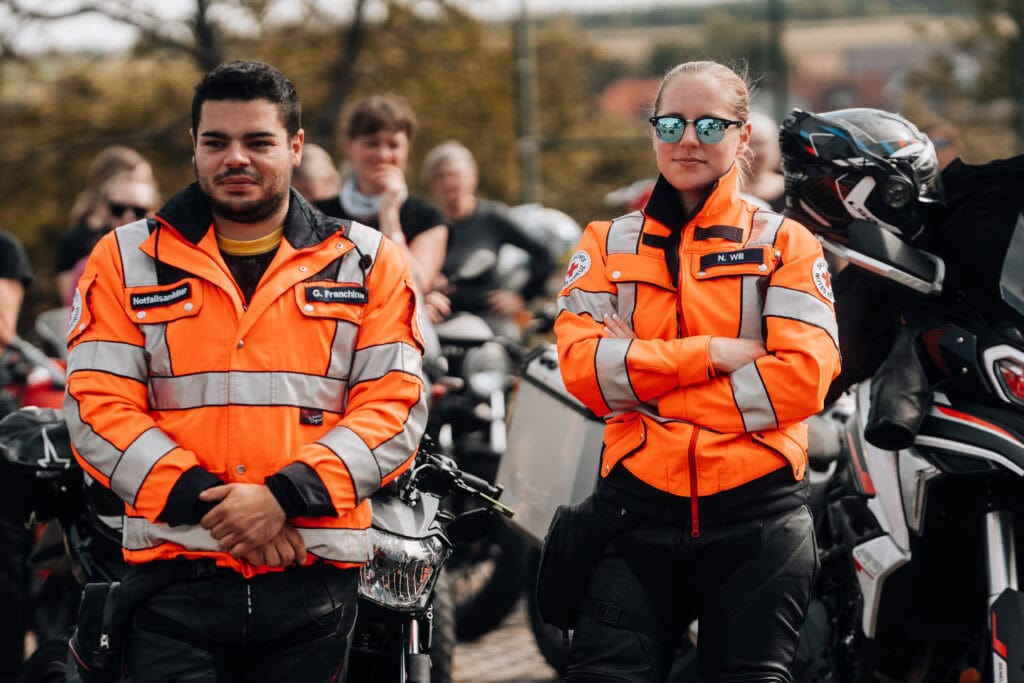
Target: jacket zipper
(691,454)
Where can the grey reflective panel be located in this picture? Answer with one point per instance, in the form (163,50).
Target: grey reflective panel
(624,234)
(376,361)
(115,358)
(156,348)
(627,301)
(396,450)
(339,545)
(594,304)
(248,389)
(751,308)
(367,240)
(358,458)
(752,399)
(612,375)
(139,269)
(137,461)
(345,334)
(803,306)
(764,228)
(96,450)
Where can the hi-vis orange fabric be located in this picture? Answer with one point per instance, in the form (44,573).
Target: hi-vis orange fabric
(741,273)
(319,376)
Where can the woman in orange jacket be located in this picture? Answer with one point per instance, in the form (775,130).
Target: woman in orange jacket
(702,329)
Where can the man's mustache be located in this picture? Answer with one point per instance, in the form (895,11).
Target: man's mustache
(231,172)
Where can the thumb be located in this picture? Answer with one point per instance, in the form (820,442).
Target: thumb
(215,493)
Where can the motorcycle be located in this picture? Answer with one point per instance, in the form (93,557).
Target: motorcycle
(405,630)
(918,526)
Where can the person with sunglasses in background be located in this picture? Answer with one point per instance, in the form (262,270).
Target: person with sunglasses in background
(120,188)
(702,329)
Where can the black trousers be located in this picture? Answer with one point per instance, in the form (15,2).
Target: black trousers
(748,584)
(207,624)
(15,545)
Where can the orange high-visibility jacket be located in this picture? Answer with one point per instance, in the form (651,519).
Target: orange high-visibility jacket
(175,384)
(730,270)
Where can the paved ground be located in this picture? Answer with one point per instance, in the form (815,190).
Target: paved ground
(508,654)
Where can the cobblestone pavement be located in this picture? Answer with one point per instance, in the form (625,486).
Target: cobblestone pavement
(508,654)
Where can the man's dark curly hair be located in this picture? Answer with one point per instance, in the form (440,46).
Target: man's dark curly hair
(241,80)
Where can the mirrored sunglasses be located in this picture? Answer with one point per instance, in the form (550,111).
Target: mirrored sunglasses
(709,128)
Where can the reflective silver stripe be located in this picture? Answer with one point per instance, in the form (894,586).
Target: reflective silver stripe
(804,307)
(368,467)
(156,346)
(627,301)
(624,234)
(752,399)
(342,348)
(207,389)
(374,362)
(595,304)
(612,375)
(135,463)
(139,269)
(764,228)
(96,450)
(751,308)
(340,545)
(367,241)
(114,358)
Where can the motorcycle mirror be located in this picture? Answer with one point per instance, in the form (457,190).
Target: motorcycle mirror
(470,525)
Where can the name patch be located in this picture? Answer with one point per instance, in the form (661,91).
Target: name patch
(163,298)
(732,258)
(351,294)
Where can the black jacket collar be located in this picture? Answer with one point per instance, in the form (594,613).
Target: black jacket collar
(189,213)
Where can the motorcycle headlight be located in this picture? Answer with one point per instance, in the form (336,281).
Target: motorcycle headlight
(486,368)
(402,571)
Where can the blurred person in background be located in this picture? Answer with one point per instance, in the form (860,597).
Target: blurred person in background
(119,188)
(15,539)
(377,132)
(765,181)
(316,178)
(478,225)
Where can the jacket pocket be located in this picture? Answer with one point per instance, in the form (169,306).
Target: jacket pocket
(631,268)
(334,300)
(758,261)
(790,443)
(623,436)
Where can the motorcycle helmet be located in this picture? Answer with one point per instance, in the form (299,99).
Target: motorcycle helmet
(858,164)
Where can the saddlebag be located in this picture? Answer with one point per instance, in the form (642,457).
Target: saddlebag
(577,535)
(95,646)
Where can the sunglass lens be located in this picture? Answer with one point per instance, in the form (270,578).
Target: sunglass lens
(670,128)
(710,130)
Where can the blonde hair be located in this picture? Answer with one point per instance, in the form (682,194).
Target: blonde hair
(111,162)
(735,85)
(449,150)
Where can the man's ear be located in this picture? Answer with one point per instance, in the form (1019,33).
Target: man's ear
(297,141)
(192,136)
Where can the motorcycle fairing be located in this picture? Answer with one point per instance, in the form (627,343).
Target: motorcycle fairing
(1006,619)
(964,434)
(875,560)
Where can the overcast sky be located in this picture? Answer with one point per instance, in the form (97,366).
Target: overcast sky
(95,32)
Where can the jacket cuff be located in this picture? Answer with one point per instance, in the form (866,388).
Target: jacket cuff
(300,492)
(183,504)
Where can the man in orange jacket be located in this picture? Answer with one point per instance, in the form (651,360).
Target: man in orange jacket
(244,372)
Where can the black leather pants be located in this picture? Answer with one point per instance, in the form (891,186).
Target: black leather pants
(212,625)
(748,583)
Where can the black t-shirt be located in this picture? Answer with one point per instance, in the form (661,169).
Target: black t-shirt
(416,215)
(488,228)
(14,263)
(74,245)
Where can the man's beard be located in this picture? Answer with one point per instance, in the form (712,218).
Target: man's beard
(250,211)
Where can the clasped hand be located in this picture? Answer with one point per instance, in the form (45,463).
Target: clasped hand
(248,522)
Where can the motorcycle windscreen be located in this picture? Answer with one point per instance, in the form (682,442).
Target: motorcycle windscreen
(1011,279)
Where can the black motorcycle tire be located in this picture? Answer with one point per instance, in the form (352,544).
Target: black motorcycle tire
(488,577)
(442,635)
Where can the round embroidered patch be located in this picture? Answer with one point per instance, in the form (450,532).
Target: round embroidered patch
(579,264)
(823,279)
(76,311)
